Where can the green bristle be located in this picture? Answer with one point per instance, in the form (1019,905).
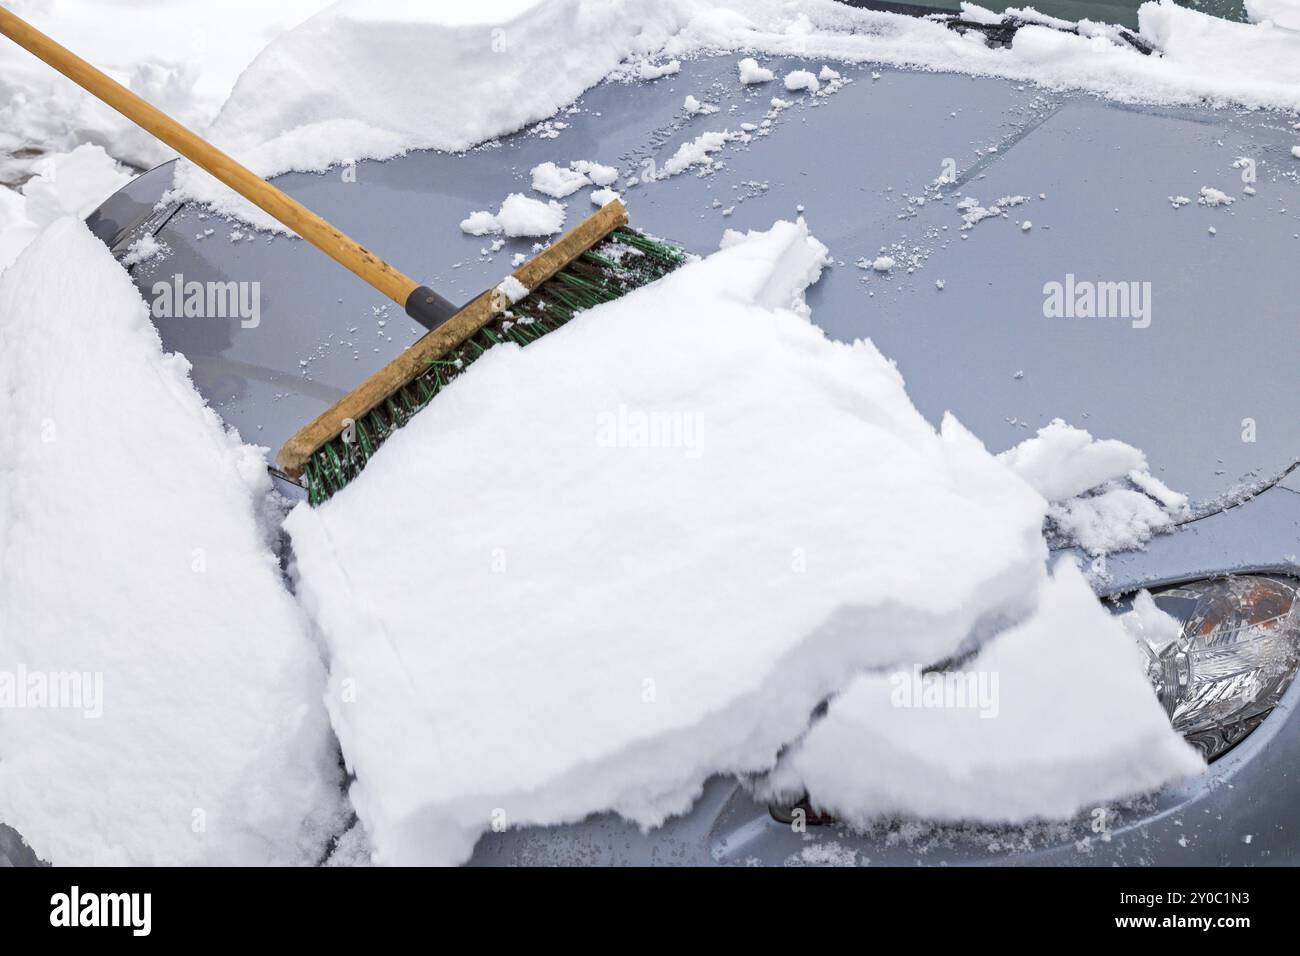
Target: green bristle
(621,262)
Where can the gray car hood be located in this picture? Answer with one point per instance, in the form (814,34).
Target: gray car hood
(1206,389)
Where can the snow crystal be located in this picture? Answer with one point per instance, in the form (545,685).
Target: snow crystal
(212,746)
(631,423)
(1058,717)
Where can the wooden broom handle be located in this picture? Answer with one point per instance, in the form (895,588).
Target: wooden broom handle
(289,212)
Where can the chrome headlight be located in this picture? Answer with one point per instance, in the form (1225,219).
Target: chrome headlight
(1226,659)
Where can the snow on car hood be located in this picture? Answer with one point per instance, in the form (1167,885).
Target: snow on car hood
(639,552)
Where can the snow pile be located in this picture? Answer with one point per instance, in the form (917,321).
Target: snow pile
(371,93)
(1103,498)
(185,62)
(517,216)
(700,639)
(160,595)
(1282,13)
(67,184)
(1051,717)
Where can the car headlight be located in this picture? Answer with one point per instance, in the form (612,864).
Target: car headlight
(1226,667)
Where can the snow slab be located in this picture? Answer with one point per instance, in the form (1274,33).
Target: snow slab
(133,552)
(657,539)
(1057,717)
(363,87)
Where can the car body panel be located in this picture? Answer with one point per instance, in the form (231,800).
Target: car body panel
(1221,349)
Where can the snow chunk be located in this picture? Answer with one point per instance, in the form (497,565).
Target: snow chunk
(801,80)
(164,591)
(555,181)
(827,74)
(653,71)
(751,72)
(518,216)
(632,422)
(696,152)
(597,173)
(510,290)
(1063,461)
(1076,726)
(603,197)
(1214,197)
(1088,482)
(883,263)
(696,108)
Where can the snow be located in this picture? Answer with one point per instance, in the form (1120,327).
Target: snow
(511,290)
(696,108)
(1103,498)
(801,80)
(1061,461)
(751,72)
(1209,196)
(701,638)
(597,173)
(64,184)
(1283,13)
(653,71)
(1072,725)
(696,152)
(603,197)
(213,746)
(517,216)
(882,263)
(360,55)
(555,181)
(185,62)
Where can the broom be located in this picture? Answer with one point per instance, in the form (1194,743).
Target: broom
(597,261)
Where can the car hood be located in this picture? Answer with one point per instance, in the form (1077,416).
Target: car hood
(1049,190)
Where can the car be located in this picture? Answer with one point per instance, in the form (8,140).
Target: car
(1076,189)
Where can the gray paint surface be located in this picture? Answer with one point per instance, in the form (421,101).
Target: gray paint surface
(1221,348)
